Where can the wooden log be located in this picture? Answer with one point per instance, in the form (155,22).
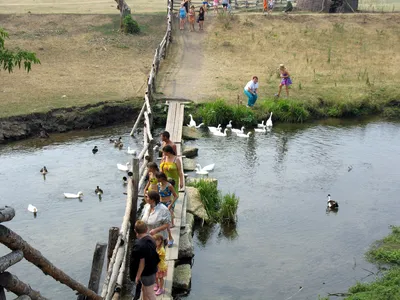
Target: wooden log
(134,199)
(112,241)
(23,297)
(18,287)
(142,179)
(115,270)
(147,103)
(97,268)
(121,274)
(141,154)
(13,241)
(138,120)
(7,213)
(110,267)
(10,259)
(148,127)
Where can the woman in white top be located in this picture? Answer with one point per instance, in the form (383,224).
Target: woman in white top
(156,215)
(250,90)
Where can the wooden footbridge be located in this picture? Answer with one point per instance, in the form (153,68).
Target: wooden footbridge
(117,284)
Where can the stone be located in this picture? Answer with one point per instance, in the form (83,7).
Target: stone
(196,179)
(190,133)
(182,277)
(190,152)
(188,164)
(194,204)
(186,249)
(189,222)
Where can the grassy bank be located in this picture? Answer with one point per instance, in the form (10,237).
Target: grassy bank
(84,60)
(341,65)
(385,252)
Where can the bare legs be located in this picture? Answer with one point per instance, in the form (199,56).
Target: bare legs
(280,90)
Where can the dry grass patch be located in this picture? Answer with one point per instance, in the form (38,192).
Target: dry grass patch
(83,57)
(332,58)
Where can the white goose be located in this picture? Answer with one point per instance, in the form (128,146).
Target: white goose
(32,208)
(192,122)
(131,151)
(262,130)
(244,135)
(201,172)
(123,167)
(241,130)
(229,125)
(206,168)
(219,133)
(73,196)
(212,128)
(261,125)
(269,121)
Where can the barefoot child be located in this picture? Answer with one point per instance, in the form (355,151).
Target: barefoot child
(285,81)
(182,17)
(152,183)
(168,196)
(201,18)
(192,18)
(162,266)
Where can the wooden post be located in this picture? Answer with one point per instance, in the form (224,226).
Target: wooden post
(13,241)
(7,213)
(97,268)
(134,199)
(13,284)
(10,259)
(112,241)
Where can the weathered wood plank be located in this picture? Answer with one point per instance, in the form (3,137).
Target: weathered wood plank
(112,241)
(13,241)
(10,259)
(148,126)
(7,213)
(172,253)
(168,281)
(184,208)
(178,137)
(18,287)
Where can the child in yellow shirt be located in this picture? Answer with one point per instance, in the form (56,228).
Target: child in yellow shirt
(162,265)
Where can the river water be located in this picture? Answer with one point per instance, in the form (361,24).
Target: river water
(283,240)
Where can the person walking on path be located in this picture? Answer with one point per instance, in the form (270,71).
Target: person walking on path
(182,17)
(162,266)
(250,90)
(144,261)
(192,18)
(201,18)
(285,80)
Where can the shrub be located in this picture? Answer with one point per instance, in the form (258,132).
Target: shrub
(387,250)
(287,110)
(229,206)
(130,25)
(217,112)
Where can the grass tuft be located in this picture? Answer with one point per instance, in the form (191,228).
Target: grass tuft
(387,250)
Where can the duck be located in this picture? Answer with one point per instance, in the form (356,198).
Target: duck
(241,130)
(201,172)
(94,150)
(123,167)
(120,145)
(131,151)
(117,142)
(98,191)
(332,204)
(212,129)
(32,209)
(73,196)
(219,133)
(44,170)
(261,125)
(269,121)
(192,122)
(209,167)
(349,168)
(244,135)
(229,125)
(262,130)
(124,180)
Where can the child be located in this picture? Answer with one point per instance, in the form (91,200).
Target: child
(201,18)
(286,81)
(152,183)
(162,266)
(168,196)
(216,3)
(205,5)
(182,17)
(192,16)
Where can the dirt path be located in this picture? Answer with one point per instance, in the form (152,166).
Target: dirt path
(184,74)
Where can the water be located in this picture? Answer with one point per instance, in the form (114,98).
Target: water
(283,238)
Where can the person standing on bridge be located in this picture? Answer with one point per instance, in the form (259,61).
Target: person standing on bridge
(165,139)
(250,90)
(172,167)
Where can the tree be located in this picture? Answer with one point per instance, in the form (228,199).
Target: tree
(10,59)
(328,5)
(124,10)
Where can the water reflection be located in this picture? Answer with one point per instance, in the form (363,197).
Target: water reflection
(203,233)
(228,231)
(251,153)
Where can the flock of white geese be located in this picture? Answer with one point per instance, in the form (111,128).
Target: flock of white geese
(217,131)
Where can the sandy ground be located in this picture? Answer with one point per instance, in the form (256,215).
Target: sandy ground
(77,7)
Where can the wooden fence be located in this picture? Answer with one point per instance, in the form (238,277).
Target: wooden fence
(236,4)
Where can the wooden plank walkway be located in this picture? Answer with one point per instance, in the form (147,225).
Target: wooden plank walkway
(174,127)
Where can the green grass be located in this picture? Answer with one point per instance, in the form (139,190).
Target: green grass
(387,250)
(220,208)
